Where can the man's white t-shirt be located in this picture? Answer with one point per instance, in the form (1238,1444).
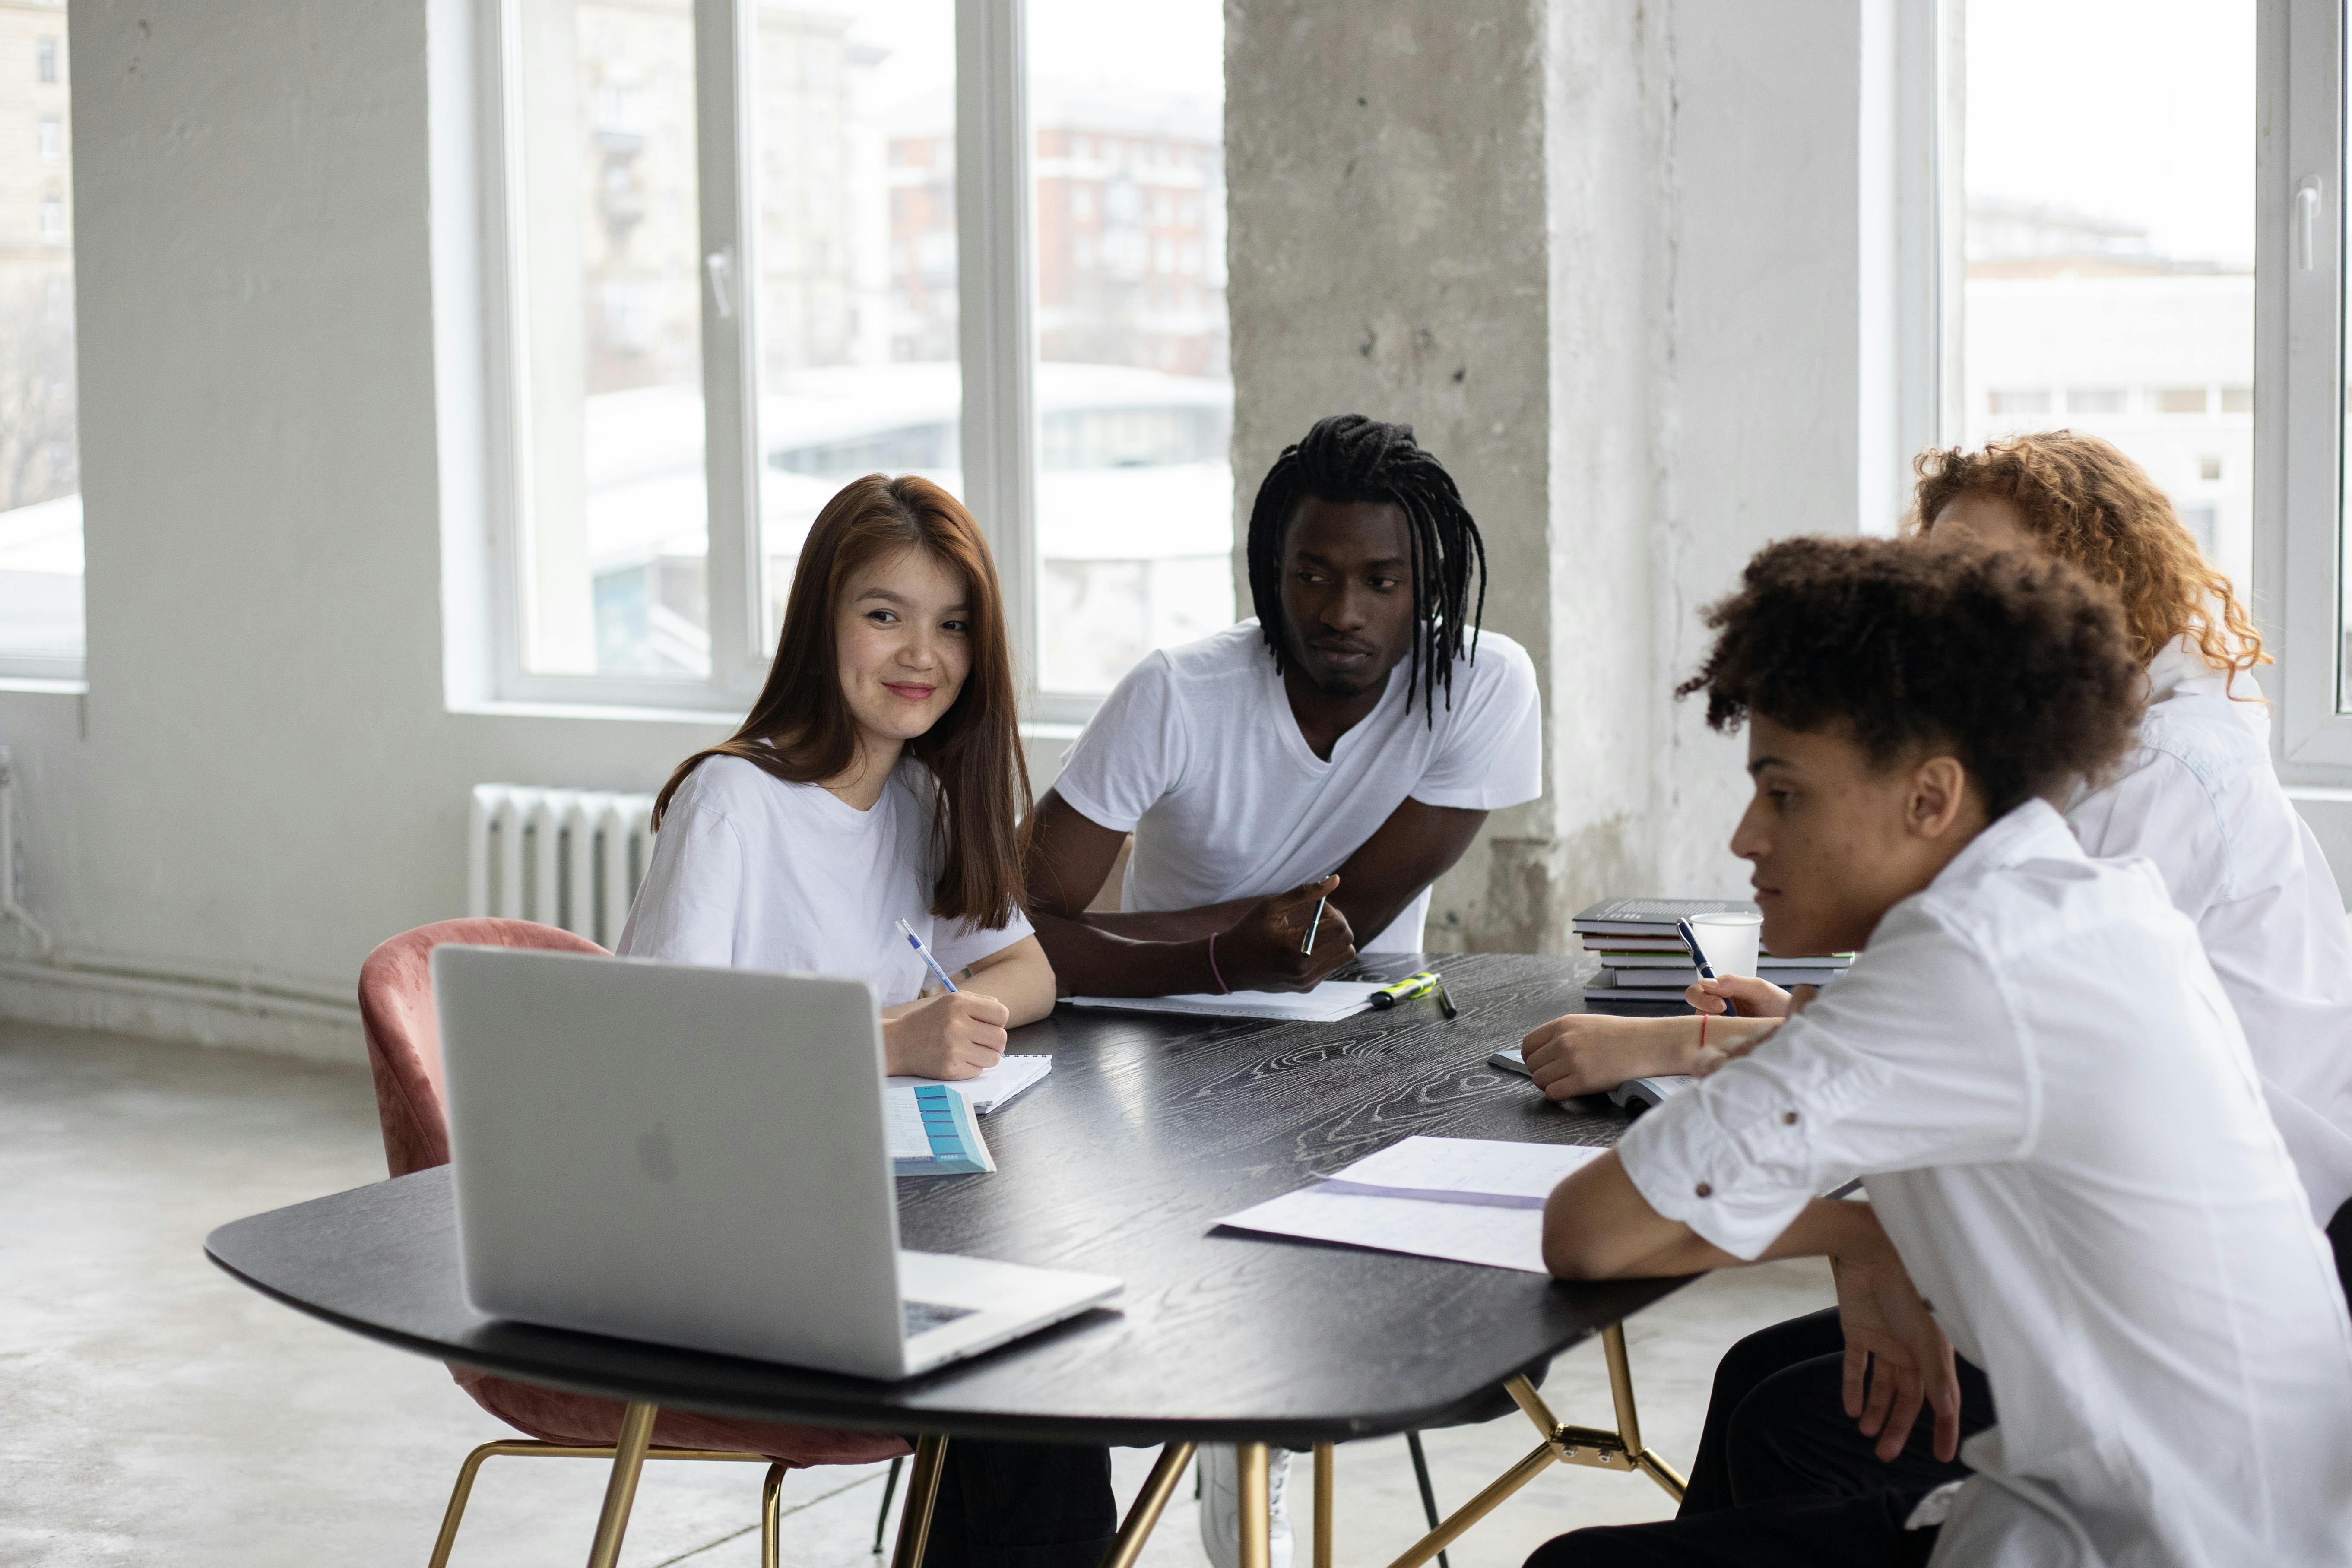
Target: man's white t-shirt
(750,872)
(2051,1108)
(1198,754)
(2199,798)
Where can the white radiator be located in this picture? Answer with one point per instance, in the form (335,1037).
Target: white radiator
(569,858)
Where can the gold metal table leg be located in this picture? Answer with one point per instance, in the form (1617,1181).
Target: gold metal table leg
(1477,1508)
(621,1492)
(1327,1483)
(1157,1488)
(1621,1450)
(1629,1421)
(922,1491)
(1256,1508)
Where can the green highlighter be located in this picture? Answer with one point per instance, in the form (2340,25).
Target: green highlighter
(1426,983)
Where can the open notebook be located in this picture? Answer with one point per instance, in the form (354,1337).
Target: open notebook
(1328,1003)
(993,1090)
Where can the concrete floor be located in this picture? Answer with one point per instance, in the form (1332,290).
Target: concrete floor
(153,1411)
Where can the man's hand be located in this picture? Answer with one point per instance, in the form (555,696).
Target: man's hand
(1587,1053)
(1265,949)
(1729,1048)
(954,1035)
(1892,1334)
(1757,998)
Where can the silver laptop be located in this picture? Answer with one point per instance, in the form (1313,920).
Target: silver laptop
(696,1157)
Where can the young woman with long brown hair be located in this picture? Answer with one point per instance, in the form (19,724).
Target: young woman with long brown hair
(879,778)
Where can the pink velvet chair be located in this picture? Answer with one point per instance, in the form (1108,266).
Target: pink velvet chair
(403,1041)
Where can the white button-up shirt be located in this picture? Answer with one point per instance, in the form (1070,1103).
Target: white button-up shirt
(2053,1110)
(2199,798)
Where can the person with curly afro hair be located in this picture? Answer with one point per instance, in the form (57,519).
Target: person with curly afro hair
(2072,1180)
(2196,794)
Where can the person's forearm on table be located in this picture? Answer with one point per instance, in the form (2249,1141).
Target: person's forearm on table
(1598,1226)
(1091,961)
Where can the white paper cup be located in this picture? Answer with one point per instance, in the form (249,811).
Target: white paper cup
(1730,941)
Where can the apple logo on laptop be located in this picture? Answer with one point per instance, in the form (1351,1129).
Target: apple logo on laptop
(654,1153)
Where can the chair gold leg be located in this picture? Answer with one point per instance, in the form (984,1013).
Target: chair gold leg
(1326,1486)
(922,1491)
(1144,1513)
(1629,1421)
(772,1491)
(455,1512)
(621,1490)
(533,1449)
(1256,1506)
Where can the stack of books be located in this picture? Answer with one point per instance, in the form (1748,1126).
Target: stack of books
(1645,968)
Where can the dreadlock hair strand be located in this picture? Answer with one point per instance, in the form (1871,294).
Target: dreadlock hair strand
(1349,457)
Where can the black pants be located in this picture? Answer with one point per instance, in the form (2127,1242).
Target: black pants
(1803,1532)
(1783,1475)
(1777,1426)
(1022,1505)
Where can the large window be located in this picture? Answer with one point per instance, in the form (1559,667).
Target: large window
(40,479)
(747,250)
(2110,169)
(1135,398)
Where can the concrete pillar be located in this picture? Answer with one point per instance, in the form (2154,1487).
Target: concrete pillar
(1454,217)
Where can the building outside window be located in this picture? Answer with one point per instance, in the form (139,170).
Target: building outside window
(2109,282)
(40,504)
(853,356)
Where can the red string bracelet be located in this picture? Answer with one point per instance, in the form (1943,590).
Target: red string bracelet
(1702,1031)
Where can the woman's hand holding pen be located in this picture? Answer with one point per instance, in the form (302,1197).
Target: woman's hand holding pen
(951,1035)
(1263,950)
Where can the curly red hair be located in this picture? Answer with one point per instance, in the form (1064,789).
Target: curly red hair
(2096,508)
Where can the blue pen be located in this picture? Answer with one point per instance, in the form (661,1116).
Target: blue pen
(925,955)
(1681,928)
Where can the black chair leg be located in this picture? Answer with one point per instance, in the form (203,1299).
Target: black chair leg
(882,1520)
(1428,1492)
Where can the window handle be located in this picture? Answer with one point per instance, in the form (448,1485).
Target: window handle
(721,265)
(2306,222)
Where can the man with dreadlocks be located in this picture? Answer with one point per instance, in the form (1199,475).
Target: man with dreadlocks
(1345,742)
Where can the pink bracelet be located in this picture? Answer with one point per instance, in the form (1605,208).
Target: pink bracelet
(1222,989)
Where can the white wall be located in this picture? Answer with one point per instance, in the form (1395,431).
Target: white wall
(268,781)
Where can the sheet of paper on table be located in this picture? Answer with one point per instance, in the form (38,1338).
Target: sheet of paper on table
(1327,1003)
(1468,1200)
(993,1090)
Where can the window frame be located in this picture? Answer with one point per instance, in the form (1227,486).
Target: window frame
(2299,377)
(996,241)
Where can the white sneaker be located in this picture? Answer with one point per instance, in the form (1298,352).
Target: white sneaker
(1220,1505)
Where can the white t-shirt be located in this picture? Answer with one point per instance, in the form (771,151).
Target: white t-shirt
(2051,1108)
(1197,754)
(2199,798)
(750,872)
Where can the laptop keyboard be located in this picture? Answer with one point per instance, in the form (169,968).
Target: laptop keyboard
(922,1316)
